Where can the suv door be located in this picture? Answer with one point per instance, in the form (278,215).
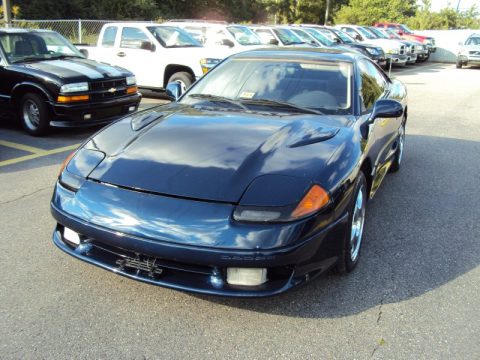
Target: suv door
(134,52)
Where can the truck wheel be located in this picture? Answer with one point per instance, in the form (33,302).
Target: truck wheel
(184,78)
(34,114)
(458,64)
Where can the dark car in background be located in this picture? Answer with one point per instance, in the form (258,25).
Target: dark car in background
(48,82)
(252,182)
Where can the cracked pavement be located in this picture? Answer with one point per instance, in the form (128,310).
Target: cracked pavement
(414,295)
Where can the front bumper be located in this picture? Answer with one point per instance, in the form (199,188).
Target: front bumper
(397,59)
(73,115)
(411,58)
(200,269)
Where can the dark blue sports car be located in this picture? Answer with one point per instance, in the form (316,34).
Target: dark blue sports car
(252,182)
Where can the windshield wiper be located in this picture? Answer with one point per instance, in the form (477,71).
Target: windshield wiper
(284,104)
(31,58)
(216,98)
(64,57)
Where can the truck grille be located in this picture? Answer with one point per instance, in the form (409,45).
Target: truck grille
(108,89)
(402,49)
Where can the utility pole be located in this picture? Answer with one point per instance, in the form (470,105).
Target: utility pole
(7,13)
(327,12)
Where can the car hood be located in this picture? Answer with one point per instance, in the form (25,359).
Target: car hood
(386,43)
(74,69)
(213,154)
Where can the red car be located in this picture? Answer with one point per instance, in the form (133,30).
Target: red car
(408,34)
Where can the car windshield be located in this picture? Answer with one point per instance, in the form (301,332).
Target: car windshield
(281,84)
(30,46)
(320,37)
(406,30)
(173,37)
(303,35)
(392,34)
(244,35)
(288,37)
(379,33)
(366,33)
(347,39)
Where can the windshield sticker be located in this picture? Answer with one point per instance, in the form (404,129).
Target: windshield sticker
(247,95)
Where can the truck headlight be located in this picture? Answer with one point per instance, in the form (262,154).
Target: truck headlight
(208,64)
(131,80)
(419,47)
(372,51)
(392,51)
(75,87)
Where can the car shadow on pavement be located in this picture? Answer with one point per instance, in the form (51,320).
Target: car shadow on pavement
(422,231)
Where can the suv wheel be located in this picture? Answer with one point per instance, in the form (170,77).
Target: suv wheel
(184,78)
(34,114)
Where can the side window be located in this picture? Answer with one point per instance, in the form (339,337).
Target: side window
(109,36)
(373,84)
(350,32)
(133,38)
(198,33)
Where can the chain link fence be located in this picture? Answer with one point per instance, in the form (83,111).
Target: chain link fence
(77,31)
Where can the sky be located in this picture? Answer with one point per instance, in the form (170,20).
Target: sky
(464,4)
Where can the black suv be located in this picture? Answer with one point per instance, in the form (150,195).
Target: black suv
(50,83)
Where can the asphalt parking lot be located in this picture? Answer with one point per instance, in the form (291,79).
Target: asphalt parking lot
(414,295)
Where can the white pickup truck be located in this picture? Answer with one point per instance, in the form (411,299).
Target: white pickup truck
(157,54)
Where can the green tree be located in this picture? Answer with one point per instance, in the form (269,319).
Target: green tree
(367,12)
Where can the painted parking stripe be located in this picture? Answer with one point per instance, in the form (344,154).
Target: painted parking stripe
(38,155)
(22,147)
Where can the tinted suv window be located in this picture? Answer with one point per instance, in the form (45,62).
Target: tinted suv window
(373,84)
(109,36)
(133,38)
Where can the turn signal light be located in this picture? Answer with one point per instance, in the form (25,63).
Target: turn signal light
(74,98)
(132,89)
(65,163)
(314,200)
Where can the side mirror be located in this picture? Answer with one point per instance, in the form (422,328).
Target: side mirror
(228,43)
(400,32)
(358,37)
(459,43)
(173,91)
(336,40)
(84,52)
(273,42)
(147,45)
(386,108)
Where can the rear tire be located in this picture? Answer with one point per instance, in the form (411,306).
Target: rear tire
(350,254)
(184,78)
(34,114)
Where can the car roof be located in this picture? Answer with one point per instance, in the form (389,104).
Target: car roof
(300,53)
(20,30)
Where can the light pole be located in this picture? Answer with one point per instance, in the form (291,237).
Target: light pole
(7,13)
(327,12)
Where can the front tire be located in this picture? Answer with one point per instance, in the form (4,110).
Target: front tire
(353,241)
(184,78)
(459,64)
(34,114)
(397,161)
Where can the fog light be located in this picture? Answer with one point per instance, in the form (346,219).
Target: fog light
(71,236)
(87,116)
(246,276)
(131,108)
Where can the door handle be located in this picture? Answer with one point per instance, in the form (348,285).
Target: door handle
(121,54)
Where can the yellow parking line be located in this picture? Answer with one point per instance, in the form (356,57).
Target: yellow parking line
(21,147)
(38,154)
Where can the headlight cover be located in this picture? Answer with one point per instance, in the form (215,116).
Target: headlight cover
(313,201)
(74,87)
(372,51)
(78,166)
(392,51)
(131,80)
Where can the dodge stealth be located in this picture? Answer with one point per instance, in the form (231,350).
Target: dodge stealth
(252,182)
